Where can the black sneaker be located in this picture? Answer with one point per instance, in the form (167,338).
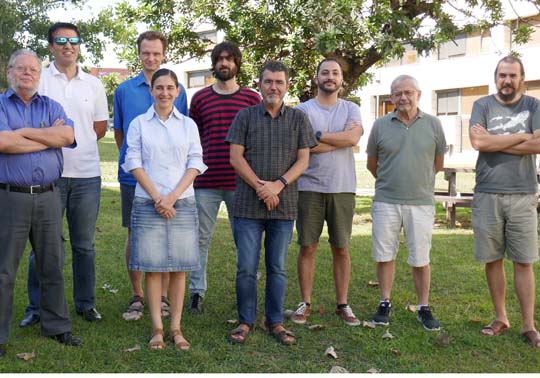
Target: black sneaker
(382,314)
(426,318)
(196,304)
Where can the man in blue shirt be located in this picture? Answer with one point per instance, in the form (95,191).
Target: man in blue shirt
(33,129)
(131,99)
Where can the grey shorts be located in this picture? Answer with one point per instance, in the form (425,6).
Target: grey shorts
(505,223)
(314,208)
(127,193)
(417,223)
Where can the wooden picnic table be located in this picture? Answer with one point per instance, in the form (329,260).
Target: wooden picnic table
(451,198)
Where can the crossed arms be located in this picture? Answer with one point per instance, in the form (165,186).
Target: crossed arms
(267,191)
(342,139)
(27,139)
(515,144)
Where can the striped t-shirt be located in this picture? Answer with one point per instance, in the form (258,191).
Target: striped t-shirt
(213,113)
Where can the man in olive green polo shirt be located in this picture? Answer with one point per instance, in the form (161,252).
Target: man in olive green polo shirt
(405,151)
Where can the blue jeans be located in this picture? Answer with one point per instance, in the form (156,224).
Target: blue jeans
(247,236)
(80,201)
(208,202)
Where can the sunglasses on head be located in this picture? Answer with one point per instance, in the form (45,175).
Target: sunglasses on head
(61,41)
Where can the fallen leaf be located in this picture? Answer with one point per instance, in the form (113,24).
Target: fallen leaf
(387,335)
(338,369)
(367,324)
(133,348)
(410,307)
(373,283)
(131,316)
(288,314)
(322,310)
(373,371)
(475,321)
(26,356)
(316,327)
(231,321)
(109,288)
(396,352)
(98,229)
(330,352)
(442,340)
(259,274)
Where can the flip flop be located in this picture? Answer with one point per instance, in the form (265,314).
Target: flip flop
(533,338)
(495,328)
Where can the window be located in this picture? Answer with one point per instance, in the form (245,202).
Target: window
(448,102)
(211,35)
(197,79)
(454,48)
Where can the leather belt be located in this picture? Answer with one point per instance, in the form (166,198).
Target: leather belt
(34,189)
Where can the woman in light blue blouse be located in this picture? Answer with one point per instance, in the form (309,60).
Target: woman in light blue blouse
(165,155)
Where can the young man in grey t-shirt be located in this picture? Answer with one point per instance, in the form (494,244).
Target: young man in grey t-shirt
(505,129)
(327,189)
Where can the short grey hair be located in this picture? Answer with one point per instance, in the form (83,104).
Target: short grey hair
(21,52)
(401,78)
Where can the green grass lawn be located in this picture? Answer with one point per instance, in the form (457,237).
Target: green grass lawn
(459,298)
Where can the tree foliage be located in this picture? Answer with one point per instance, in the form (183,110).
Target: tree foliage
(24,24)
(359,33)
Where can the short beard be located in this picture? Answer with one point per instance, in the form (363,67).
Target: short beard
(507,97)
(230,75)
(328,91)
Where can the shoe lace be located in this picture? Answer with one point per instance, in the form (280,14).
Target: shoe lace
(348,312)
(425,313)
(301,310)
(384,308)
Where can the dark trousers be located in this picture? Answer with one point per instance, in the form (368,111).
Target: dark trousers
(80,202)
(34,217)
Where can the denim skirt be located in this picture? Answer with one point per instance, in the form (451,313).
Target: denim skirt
(164,245)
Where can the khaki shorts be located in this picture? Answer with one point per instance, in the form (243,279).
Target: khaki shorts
(417,222)
(314,208)
(505,223)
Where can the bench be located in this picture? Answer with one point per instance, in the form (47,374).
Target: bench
(450,203)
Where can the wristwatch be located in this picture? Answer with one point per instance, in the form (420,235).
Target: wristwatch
(318,135)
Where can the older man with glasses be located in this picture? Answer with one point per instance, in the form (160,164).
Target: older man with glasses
(33,130)
(405,150)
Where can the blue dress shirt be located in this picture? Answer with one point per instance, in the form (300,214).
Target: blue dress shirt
(131,99)
(34,168)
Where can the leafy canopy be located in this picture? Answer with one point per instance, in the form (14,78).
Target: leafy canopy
(359,33)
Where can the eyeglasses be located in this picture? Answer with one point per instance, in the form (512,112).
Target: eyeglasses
(61,41)
(22,69)
(408,94)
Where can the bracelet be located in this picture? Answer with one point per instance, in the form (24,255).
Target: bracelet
(283,181)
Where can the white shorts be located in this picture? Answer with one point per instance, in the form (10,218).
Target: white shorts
(417,222)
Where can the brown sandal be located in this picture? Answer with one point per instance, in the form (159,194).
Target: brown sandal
(183,345)
(533,338)
(284,336)
(156,344)
(239,335)
(495,328)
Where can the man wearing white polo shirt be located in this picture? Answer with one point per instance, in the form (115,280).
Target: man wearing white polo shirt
(84,100)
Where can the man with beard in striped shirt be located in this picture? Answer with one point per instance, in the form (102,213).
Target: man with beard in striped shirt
(213,110)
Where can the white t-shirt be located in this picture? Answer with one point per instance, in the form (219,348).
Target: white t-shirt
(84,100)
